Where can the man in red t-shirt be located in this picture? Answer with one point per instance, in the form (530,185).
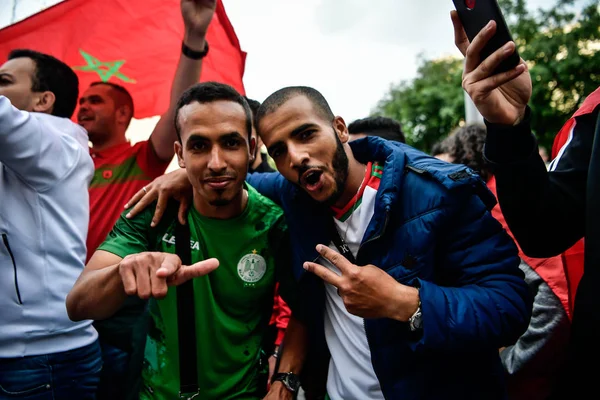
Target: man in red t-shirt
(121,170)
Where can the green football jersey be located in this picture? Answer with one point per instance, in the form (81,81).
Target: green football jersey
(233,304)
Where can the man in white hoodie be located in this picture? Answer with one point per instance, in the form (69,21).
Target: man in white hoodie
(45,170)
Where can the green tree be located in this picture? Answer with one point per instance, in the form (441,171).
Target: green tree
(562,47)
(429,106)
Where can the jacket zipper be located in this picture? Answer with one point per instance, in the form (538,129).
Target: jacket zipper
(385,222)
(380,234)
(12,257)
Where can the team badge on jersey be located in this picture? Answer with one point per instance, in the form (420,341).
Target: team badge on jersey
(252,267)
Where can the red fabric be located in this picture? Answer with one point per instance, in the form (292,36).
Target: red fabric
(551,270)
(145,35)
(280,317)
(573,257)
(590,103)
(120,172)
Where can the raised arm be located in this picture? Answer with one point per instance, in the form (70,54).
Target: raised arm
(197,15)
(545,210)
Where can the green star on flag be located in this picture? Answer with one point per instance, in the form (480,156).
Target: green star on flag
(105,70)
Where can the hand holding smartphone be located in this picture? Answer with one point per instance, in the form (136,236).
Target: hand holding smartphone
(474,16)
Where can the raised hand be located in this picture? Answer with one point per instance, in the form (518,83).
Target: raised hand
(197,15)
(367,291)
(500,98)
(149,274)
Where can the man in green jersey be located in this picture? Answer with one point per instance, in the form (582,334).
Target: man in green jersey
(229,222)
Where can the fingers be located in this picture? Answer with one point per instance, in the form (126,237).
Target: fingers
(495,81)
(460,36)
(141,200)
(324,273)
(128,279)
(183,207)
(487,67)
(473,53)
(187,272)
(161,206)
(170,264)
(339,261)
(136,197)
(159,286)
(142,280)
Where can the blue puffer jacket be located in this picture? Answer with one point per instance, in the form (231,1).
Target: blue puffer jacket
(431,229)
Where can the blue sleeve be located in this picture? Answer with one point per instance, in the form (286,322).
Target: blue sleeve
(482,299)
(270,184)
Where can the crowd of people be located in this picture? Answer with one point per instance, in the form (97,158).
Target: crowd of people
(341,263)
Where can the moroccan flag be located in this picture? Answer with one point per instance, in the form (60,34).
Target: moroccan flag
(134,43)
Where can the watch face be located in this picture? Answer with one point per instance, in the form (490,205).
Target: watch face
(418,321)
(292,382)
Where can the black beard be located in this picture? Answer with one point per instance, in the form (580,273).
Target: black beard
(340,172)
(220,202)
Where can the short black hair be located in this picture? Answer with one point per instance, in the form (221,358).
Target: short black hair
(383,127)
(466,147)
(276,100)
(122,98)
(439,147)
(254,106)
(54,76)
(207,92)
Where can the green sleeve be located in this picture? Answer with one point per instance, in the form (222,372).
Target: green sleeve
(130,236)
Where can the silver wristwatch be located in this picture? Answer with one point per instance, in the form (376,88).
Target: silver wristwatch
(416,321)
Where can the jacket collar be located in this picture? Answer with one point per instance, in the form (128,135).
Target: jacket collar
(315,218)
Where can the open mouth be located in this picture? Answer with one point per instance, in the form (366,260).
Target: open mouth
(311,179)
(84,119)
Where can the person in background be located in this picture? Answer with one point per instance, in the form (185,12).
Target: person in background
(547,211)
(383,127)
(441,149)
(45,170)
(533,364)
(259,160)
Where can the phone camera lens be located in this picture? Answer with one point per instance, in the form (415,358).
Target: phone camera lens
(470,4)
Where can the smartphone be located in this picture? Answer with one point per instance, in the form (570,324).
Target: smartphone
(475,15)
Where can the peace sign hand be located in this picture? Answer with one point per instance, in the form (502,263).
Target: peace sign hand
(367,291)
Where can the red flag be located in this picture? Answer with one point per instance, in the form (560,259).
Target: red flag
(134,43)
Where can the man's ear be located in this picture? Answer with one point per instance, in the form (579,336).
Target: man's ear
(43,102)
(179,152)
(339,125)
(252,149)
(123,114)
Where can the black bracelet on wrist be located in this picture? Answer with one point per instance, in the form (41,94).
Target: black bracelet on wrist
(193,54)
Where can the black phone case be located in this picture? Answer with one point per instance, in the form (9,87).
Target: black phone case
(476,18)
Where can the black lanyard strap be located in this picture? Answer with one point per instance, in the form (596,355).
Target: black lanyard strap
(341,245)
(186,320)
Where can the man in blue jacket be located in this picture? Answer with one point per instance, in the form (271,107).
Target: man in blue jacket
(413,283)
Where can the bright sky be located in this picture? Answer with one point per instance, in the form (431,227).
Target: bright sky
(350,50)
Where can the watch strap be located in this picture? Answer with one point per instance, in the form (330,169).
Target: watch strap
(283,377)
(193,54)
